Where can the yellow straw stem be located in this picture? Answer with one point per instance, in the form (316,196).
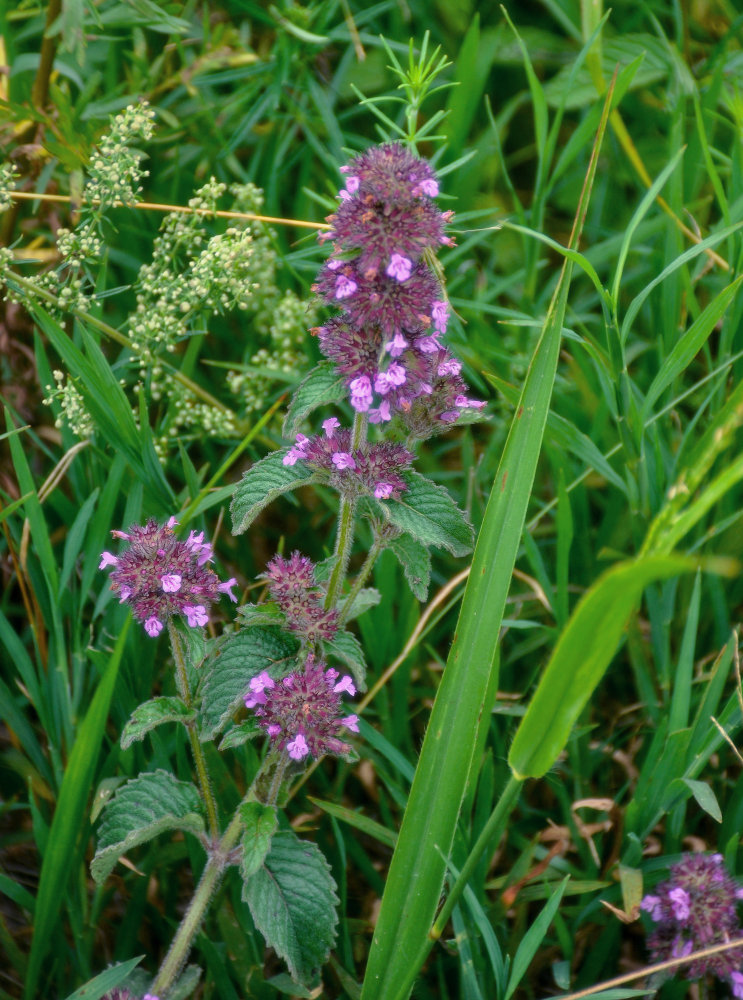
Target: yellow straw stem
(184,209)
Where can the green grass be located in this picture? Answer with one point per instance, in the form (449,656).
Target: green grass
(612,462)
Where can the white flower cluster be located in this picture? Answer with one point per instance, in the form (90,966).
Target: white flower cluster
(115,168)
(79,245)
(73,412)
(8,177)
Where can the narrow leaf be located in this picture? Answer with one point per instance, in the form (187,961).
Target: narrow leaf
(140,810)
(261,484)
(705,797)
(582,654)
(292,899)
(533,938)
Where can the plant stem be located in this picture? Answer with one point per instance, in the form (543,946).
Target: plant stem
(210,879)
(361,579)
(184,691)
(346,518)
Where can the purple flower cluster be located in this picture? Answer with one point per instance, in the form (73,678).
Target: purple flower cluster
(372,469)
(159,576)
(293,587)
(696,908)
(302,712)
(386,341)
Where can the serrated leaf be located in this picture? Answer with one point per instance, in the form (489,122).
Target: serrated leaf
(260,825)
(260,614)
(415,560)
(141,809)
(428,513)
(292,899)
(153,713)
(367,597)
(261,484)
(323,385)
(240,733)
(228,674)
(344,646)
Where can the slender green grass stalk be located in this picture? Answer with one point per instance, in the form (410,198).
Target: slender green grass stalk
(463,700)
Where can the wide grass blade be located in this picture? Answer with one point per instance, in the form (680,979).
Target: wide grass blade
(63,849)
(583,652)
(469,681)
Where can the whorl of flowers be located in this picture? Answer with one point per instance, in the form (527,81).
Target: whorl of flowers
(372,469)
(386,340)
(696,908)
(302,712)
(291,583)
(159,576)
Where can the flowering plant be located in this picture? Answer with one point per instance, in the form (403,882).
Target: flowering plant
(385,360)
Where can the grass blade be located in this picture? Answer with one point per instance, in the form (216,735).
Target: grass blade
(469,681)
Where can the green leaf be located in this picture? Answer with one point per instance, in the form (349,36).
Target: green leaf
(367,597)
(64,841)
(689,344)
(323,385)
(153,713)
(240,733)
(95,988)
(705,797)
(260,486)
(428,513)
(582,654)
(533,938)
(359,821)
(344,646)
(260,825)
(227,675)
(469,683)
(415,560)
(292,900)
(141,809)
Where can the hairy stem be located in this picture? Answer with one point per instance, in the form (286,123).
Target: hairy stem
(361,579)
(272,769)
(346,519)
(184,690)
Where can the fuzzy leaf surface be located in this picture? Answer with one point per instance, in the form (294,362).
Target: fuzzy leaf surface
(141,809)
(260,486)
(415,560)
(367,597)
(152,713)
(344,646)
(228,674)
(428,513)
(260,825)
(240,733)
(321,386)
(292,899)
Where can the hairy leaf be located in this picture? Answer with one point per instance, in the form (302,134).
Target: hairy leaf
(260,825)
(292,899)
(261,484)
(415,560)
(323,385)
(344,646)
(153,713)
(141,809)
(428,513)
(227,675)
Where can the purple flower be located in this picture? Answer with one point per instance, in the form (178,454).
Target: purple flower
(291,583)
(226,588)
(343,460)
(736,982)
(344,287)
(361,393)
(396,346)
(383,491)
(159,576)
(373,464)
(330,426)
(694,909)
(302,713)
(399,267)
(440,315)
